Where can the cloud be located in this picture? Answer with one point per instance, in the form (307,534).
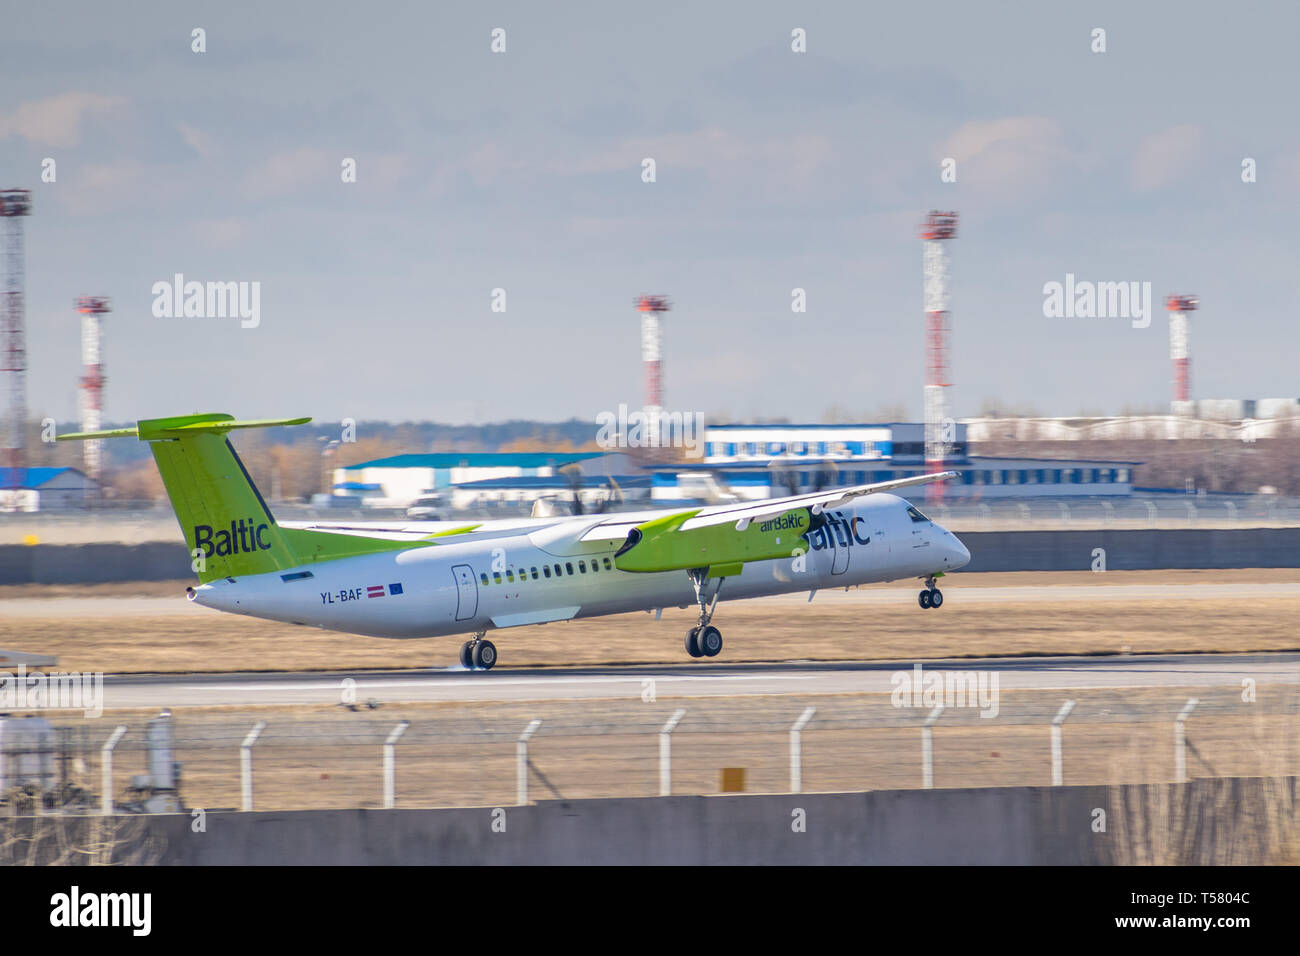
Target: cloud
(56,121)
(1163,156)
(720,154)
(312,167)
(104,187)
(287,171)
(1009,155)
(198,140)
(220,232)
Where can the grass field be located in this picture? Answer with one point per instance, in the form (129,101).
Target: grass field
(835,627)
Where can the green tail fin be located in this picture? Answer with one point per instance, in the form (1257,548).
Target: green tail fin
(226,523)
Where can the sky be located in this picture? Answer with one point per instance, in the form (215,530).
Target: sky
(522,171)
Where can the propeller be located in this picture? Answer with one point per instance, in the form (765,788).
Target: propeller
(826,475)
(783,477)
(613,496)
(788,478)
(573,473)
(613,493)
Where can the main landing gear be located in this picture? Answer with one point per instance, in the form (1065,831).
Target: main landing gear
(478,653)
(931,597)
(704,640)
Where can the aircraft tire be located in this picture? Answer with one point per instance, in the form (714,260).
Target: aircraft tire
(485,655)
(936,598)
(924,599)
(710,640)
(467,655)
(693,642)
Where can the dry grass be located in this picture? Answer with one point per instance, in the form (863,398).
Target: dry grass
(754,632)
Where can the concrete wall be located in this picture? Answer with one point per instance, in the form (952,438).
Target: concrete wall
(990,551)
(1211,821)
(1131,550)
(93,563)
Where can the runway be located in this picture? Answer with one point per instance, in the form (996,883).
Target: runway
(687,681)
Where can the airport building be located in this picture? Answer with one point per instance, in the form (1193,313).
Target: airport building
(1229,419)
(740,462)
(766,461)
(487,479)
(43,489)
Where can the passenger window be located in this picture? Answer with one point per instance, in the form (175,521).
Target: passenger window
(558,571)
(546,570)
(510,576)
(595,565)
(582,566)
(607,567)
(568,566)
(534,573)
(496,576)
(483,578)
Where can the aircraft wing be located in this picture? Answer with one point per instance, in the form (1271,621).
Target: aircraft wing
(816,502)
(724,538)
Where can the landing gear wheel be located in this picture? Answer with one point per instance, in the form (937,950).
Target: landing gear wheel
(485,655)
(924,599)
(710,640)
(693,642)
(936,597)
(467,655)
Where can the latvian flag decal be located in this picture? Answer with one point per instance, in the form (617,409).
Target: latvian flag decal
(378,590)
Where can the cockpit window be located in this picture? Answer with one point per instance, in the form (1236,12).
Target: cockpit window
(915,515)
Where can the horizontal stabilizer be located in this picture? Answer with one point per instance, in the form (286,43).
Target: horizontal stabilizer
(110,433)
(176,426)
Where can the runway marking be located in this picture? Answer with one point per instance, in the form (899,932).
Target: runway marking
(500,682)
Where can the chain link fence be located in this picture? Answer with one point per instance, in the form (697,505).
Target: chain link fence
(473,754)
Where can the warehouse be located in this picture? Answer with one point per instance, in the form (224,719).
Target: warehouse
(396,481)
(43,489)
(766,461)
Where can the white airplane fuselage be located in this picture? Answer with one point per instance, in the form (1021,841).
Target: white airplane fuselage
(532,571)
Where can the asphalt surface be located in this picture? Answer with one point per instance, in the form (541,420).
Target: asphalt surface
(688,680)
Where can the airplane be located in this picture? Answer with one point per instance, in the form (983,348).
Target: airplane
(436,578)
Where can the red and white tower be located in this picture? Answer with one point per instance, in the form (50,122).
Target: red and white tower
(651,308)
(937,229)
(1179,306)
(92,380)
(15,204)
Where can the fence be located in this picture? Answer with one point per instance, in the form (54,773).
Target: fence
(429,755)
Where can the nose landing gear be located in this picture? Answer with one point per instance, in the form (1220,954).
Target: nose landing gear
(931,597)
